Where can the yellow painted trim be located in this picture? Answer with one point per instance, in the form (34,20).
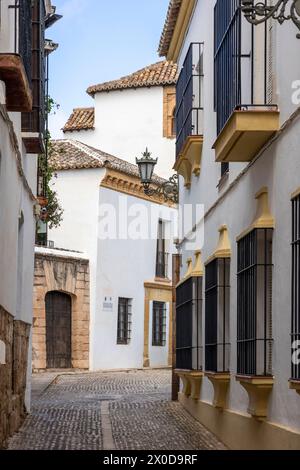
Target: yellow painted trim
(295,194)
(245,134)
(193,271)
(239,431)
(220,382)
(161,292)
(295,385)
(263,217)
(191,381)
(185,14)
(184,168)
(189,161)
(131,185)
(223,249)
(258,389)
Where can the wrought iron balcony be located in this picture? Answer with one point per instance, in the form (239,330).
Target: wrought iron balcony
(189,113)
(15,57)
(34,122)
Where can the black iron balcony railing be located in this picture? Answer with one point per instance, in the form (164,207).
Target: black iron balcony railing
(189,349)
(162,265)
(35,120)
(189,97)
(23,33)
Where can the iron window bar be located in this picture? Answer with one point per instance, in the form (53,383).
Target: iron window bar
(295,330)
(162,264)
(254,304)
(159,319)
(23,32)
(217,291)
(189,91)
(124,321)
(189,325)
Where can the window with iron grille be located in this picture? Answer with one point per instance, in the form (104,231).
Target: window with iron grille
(189,97)
(295,284)
(217,291)
(124,321)
(227,58)
(254,303)
(35,120)
(161,255)
(189,324)
(159,318)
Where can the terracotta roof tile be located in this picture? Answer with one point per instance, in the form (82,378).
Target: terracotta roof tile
(160,74)
(69,154)
(169,27)
(80,119)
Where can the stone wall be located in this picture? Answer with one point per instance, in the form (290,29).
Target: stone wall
(14,335)
(71,276)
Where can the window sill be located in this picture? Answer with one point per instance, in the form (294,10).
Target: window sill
(191,380)
(295,385)
(258,389)
(220,382)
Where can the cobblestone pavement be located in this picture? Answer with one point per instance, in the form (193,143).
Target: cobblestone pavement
(68,414)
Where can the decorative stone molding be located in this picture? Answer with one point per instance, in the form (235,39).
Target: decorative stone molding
(184,168)
(168,113)
(258,389)
(195,270)
(191,381)
(295,385)
(130,185)
(220,381)
(223,249)
(263,217)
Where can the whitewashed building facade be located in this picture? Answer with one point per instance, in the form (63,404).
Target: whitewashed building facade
(237,154)
(129,114)
(22,99)
(119,313)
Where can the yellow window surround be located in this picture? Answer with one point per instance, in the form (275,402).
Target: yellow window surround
(195,270)
(263,217)
(189,160)
(223,249)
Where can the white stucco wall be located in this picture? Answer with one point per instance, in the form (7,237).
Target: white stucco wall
(279,170)
(118,267)
(128,121)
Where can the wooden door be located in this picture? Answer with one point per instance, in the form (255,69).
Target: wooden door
(58,330)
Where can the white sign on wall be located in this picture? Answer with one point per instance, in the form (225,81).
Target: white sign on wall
(108,304)
(2,353)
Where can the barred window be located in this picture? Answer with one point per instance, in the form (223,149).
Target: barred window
(295,285)
(159,324)
(254,314)
(217,291)
(189,324)
(124,321)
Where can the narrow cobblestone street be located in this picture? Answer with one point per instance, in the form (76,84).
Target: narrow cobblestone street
(106,411)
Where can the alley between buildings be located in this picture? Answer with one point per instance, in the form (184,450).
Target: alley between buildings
(107,411)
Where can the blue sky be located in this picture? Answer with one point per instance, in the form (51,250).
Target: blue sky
(99,40)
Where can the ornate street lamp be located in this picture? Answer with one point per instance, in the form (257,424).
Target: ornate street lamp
(259,12)
(168,189)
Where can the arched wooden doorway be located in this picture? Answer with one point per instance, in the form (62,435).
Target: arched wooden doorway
(58,330)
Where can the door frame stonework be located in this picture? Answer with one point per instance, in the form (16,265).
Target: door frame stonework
(69,275)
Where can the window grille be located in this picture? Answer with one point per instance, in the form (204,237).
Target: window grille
(124,321)
(189,324)
(254,303)
(159,319)
(295,286)
(217,291)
